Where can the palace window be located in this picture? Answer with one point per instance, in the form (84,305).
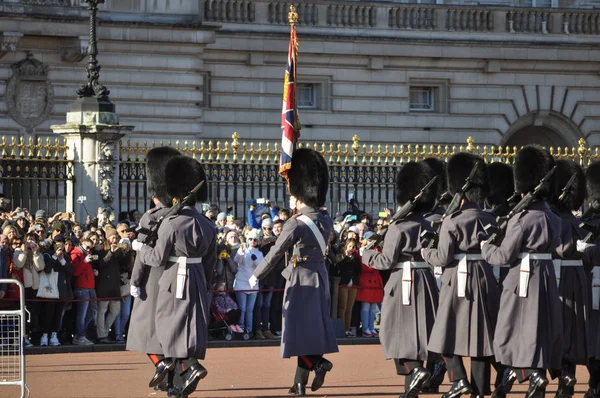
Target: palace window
(428,95)
(422,99)
(307,95)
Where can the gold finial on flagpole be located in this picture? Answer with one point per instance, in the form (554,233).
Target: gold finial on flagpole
(292,15)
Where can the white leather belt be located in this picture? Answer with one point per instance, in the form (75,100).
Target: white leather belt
(558,263)
(526,269)
(182,263)
(406,267)
(596,288)
(462,271)
(437,272)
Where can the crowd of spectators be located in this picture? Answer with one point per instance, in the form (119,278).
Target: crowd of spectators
(76,275)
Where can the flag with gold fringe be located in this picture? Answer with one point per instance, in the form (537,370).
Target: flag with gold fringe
(290,122)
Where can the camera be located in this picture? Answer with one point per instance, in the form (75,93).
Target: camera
(352,218)
(94,257)
(81,199)
(38,227)
(21,214)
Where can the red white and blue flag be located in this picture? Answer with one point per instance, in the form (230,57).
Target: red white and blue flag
(290,122)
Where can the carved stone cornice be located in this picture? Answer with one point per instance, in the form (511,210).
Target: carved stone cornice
(9,42)
(74,49)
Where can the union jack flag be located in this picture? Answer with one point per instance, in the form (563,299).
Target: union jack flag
(290,122)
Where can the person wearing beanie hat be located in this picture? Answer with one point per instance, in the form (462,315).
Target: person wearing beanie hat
(187,251)
(142,334)
(308,328)
(221,219)
(408,314)
(469,297)
(528,336)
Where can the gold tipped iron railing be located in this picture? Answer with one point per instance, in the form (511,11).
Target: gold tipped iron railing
(236,151)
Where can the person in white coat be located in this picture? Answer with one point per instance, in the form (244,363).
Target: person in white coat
(247,257)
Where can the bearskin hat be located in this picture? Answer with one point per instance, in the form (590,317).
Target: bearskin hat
(411,178)
(592,175)
(439,169)
(183,174)
(532,163)
(501,183)
(156,160)
(459,168)
(309,177)
(576,193)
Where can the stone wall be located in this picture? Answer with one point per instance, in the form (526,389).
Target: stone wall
(183,70)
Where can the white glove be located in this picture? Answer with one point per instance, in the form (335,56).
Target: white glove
(483,242)
(134,291)
(88,258)
(582,246)
(253,281)
(136,245)
(423,252)
(361,250)
(292,202)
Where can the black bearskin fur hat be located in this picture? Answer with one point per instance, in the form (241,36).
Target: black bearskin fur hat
(501,183)
(576,194)
(183,174)
(156,160)
(411,178)
(592,175)
(309,177)
(459,168)
(439,169)
(532,163)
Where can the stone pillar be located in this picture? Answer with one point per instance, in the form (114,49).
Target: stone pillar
(93,145)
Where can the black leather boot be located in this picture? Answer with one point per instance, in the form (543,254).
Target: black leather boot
(537,385)
(297,389)
(162,369)
(592,393)
(506,384)
(432,386)
(418,377)
(321,370)
(191,377)
(459,387)
(566,386)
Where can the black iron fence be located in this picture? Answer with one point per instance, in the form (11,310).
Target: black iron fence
(34,174)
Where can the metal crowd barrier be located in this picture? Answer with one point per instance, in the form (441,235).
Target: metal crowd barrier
(12,332)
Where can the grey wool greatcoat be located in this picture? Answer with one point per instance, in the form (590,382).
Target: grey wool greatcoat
(591,259)
(307,324)
(464,325)
(181,323)
(142,328)
(405,329)
(573,292)
(529,329)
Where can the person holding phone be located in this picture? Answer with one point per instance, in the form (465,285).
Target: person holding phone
(348,268)
(84,285)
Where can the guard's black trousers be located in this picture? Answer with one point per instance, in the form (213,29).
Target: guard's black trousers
(480,372)
(305,364)
(594,369)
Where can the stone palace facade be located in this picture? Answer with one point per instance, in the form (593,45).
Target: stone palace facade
(423,71)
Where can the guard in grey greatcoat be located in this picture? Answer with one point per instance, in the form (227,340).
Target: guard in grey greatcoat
(186,248)
(435,364)
(141,336)
(529,326)
(469,296)
(591,262)
(570,274)
(307,326)
(410,295)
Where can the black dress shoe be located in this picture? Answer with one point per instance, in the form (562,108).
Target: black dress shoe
(537,385)
(162,369)
(418,377)
(321,370)
(297,389)
(510,376)
(459,387)
(191,376)
(592,393)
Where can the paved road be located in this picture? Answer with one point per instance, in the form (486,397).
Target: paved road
(359,371)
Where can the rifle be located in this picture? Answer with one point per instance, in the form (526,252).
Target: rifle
(565,190)
(452,207)
(149,236)
(404,211)
(593,230)
(498,232)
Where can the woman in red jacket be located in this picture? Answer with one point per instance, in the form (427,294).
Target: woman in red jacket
(84,289)
(370,294)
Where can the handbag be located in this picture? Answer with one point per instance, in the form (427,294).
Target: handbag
(48,285)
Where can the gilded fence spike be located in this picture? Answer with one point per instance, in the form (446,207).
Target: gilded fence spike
(38,148)
(582,150)
(4,145)
(259,152)
(30,148)
(252,151)
(470,146)
(338,153)
(13,146)
(355,147)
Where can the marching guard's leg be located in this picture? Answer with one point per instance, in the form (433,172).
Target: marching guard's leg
(301,378)
(458,376)
(567,381)
(537,381)
(480,376)
(416,376)
(437,367)
(594,381)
